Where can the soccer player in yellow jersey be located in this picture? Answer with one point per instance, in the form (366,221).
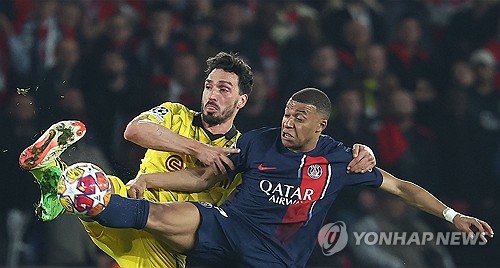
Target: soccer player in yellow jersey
(177,118)
(176,138)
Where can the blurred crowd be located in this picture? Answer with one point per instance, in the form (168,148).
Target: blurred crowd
(416,80)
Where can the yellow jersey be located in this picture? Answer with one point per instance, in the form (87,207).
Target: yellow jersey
(187,123)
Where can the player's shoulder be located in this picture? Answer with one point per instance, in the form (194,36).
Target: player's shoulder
(264,135)
(174,107)
(329,144)
(176,110)
(260,133)
(169,112)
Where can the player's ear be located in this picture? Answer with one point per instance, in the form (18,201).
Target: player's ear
(322,125)
(242,101)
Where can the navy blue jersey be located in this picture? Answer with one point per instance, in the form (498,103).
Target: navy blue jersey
(285,196)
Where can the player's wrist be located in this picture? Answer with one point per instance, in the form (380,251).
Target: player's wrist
(142,179)
(449,214)
(194,147)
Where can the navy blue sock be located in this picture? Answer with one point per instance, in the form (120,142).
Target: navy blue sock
(122,212)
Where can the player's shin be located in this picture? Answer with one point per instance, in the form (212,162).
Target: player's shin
(122,212)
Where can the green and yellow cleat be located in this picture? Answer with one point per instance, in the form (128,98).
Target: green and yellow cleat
(42,160)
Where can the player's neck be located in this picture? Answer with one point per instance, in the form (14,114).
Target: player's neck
(222,128)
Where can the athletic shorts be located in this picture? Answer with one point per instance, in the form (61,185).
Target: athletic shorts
(131,247)
(226,240)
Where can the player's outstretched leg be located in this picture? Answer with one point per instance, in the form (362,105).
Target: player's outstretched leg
(41,159)
(85,190)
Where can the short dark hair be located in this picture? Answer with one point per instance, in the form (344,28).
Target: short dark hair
(231,62)
(314,97)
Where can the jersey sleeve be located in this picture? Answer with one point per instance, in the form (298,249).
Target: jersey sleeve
(164,114)
(372,178)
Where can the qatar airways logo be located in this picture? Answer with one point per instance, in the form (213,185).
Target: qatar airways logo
(285,194)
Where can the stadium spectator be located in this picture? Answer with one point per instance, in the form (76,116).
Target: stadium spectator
(35,44)
(297,51)
(408,59)
(326,71)
(470,28)
(158,47)
(367,13)
(375,80)
(463,76)
(405,146)
(260,110)
(265,19)
(232,34)
(455,132)
(66,72)
(351,125)
(484,108)
(184,83)
(356,39)
(70,18)
(200,32)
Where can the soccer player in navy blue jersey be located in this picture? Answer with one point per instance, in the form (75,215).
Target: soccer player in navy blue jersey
(291,177)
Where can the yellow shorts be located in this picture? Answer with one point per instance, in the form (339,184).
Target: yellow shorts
(131,247)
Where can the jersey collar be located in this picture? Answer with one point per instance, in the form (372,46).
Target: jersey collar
(229,135)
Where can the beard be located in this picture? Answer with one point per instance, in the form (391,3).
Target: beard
(213,119)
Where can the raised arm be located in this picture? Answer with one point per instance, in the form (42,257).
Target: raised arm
(186,180)
(418,197)
(151,135)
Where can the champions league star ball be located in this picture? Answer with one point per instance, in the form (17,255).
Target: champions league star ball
(84,189)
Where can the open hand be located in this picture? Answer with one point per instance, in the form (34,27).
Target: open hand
(473,225)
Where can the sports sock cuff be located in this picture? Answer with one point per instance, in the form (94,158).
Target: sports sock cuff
(143,213)
(122,212)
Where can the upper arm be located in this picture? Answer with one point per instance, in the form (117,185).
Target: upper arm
(162,115)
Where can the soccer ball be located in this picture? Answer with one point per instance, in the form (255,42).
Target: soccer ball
(84,189)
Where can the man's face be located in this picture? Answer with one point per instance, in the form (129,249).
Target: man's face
(221,99)
(301,126)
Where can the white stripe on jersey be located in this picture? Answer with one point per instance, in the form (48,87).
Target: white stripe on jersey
(322,194)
